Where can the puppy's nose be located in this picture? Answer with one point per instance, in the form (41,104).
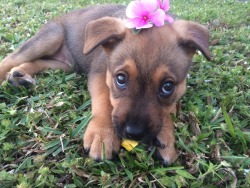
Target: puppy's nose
(134,132)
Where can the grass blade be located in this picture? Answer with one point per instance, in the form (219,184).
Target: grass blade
(65,144)
(84,105)
(129,174)
(52,144)
(81,125)
(26,162)
(185,174)
(48,129)
(228,122)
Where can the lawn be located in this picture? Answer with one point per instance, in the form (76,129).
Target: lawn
(41,129)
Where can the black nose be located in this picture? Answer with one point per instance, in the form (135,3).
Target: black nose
(134,132)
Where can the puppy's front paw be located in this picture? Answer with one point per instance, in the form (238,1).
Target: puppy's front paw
(100,139)
(166,152)
(20,78)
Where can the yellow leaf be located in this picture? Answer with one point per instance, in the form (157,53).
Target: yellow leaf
(129,144)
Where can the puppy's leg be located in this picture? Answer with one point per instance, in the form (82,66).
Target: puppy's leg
(166,138)
(22,75)
(45,43)
(100,139)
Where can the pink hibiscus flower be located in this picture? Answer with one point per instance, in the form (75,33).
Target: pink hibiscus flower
(144,14)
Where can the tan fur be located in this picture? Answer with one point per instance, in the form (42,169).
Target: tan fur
(95,41)
(166,136)
(29,69)
(100,132)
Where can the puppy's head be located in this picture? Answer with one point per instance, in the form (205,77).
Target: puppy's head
(146,72)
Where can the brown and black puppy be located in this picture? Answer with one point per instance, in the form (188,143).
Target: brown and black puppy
(134,80)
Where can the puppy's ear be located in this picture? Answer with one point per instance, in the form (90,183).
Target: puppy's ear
(106,31)
(193,36)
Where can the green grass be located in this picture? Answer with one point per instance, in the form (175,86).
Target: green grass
(41,130)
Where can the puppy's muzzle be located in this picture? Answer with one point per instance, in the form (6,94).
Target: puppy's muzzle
(134,130)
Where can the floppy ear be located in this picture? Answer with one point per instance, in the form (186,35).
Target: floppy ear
(106,31)
(193,36)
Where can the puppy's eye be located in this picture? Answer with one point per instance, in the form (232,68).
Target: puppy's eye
(121,80)
(167,88)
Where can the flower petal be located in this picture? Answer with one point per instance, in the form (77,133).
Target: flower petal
(157,18)
(132,9)
(169,18)
(163,4)
(148,6)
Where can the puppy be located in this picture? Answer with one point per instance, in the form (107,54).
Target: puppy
(134,80)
